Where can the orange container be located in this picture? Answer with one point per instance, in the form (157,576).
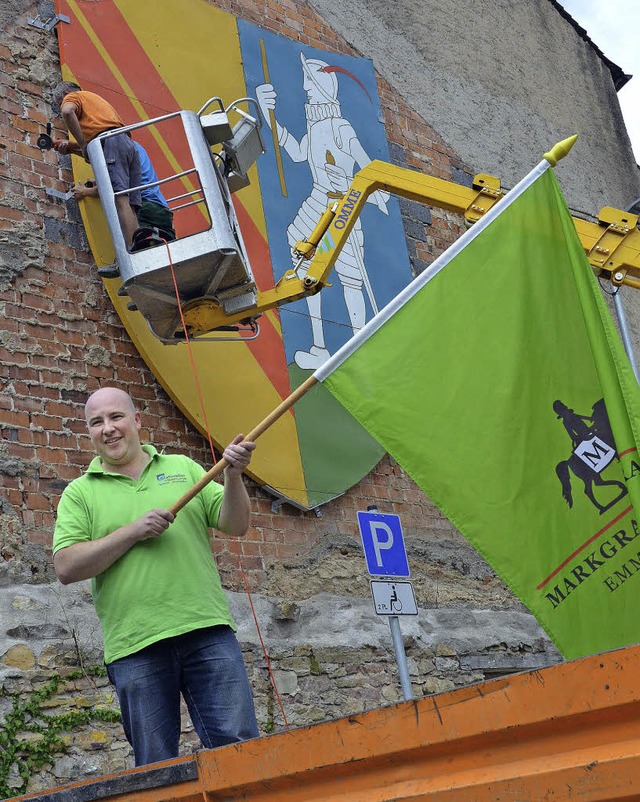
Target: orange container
(566,732)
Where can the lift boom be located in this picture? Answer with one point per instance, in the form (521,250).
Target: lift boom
(204,278)
(612,245)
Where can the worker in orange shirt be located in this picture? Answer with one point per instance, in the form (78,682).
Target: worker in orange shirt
(86,115)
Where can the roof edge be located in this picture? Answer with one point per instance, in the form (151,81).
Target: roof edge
(618,75)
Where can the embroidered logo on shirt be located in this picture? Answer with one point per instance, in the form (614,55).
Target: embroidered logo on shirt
(171,478)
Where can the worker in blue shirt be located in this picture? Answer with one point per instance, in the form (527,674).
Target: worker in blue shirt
(153,212)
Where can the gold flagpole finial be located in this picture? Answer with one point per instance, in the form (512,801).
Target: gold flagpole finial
(560,150)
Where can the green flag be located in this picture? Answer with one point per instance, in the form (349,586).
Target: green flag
(498,381)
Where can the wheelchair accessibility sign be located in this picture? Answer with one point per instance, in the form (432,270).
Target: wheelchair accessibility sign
(393,598)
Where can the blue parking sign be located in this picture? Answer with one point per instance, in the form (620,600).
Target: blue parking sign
(383,544)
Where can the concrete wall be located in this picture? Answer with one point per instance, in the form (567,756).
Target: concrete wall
(501,82)
(448,112)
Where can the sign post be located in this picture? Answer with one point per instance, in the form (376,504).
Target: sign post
(386,558)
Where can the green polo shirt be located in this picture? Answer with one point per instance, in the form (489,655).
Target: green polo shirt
(161,587)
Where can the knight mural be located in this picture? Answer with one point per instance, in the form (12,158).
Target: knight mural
(333,152)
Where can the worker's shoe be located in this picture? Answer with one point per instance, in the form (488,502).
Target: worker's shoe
(311,359)
(109,271)
(148,238)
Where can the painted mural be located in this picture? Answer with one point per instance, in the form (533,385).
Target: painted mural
(322,122)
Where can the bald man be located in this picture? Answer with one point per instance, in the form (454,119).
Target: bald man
(165,618)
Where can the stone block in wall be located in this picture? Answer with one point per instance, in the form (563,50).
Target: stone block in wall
(502,662)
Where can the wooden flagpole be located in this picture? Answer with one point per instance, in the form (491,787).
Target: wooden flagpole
(261,428)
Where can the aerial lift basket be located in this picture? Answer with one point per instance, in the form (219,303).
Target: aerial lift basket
(210,264)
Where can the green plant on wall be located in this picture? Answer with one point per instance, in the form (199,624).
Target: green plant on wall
(30,738)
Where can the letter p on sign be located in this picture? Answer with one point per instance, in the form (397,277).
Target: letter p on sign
(383,544)
(382,539)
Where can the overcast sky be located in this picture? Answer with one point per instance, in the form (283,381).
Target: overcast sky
(614,26)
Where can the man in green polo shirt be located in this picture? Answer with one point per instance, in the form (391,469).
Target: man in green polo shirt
(165,618)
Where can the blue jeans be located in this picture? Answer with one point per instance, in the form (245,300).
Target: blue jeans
(206,666)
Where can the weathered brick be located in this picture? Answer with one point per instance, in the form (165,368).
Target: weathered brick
(22,451)
(49,422)
(64,441)
(32,437)
(39,117)
(11,418)
(37,502)
(54,456)
(43,529)
(25,124)
(30,87)
(9,213)
(32,403)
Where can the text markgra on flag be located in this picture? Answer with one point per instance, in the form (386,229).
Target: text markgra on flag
(608,549)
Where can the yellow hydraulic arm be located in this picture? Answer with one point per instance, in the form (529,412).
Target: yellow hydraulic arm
(612,245)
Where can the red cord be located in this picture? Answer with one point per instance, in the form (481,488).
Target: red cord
(264,648)
(233,539)
(189,349)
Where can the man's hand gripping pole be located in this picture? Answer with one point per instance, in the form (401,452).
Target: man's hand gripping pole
(253,435)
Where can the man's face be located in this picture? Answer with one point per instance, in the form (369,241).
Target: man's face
(314,95)
(113,427)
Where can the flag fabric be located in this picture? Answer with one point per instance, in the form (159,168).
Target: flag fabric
(499,383)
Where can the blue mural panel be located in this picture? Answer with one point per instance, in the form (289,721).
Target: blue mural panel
(323,124)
